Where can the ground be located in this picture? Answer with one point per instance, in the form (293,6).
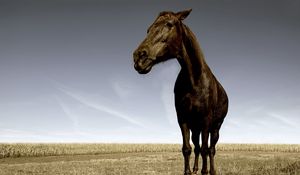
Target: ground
(167,162)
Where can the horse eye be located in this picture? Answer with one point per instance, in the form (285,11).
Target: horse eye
(169,24)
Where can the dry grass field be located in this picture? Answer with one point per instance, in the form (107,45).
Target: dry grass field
(143,159)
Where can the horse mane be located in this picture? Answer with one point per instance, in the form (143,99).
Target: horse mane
(191,44)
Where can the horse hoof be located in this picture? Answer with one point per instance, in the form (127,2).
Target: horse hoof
(187,173)
(203,172)
(213,173)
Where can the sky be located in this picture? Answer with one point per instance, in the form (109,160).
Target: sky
(66,70)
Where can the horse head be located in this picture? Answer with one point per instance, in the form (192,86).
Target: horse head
(163,41)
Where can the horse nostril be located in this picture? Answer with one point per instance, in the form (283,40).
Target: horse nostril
(138,54)
(143,53)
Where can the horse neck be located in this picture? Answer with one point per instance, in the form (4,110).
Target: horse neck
(192,59)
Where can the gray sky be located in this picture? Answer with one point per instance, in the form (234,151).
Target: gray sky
(66,71)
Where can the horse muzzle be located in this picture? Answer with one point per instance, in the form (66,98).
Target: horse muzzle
(142,63)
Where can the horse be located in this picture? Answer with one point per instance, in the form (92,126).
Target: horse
(201,102)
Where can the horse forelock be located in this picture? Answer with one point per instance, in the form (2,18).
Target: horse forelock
(163,13)
(161,18)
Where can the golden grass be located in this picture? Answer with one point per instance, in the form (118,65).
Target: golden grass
(43,149)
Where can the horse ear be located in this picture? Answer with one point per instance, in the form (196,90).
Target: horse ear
(183,14)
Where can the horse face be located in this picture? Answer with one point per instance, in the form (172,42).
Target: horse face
(163,41)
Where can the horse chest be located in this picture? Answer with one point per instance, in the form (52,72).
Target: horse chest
(191,101)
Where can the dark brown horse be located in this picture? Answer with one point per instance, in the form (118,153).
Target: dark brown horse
(200,100)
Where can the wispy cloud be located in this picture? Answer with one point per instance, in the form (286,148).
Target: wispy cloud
(68,113)
(121,89)
(14,132)
(100,107)
(168,102)
(167,85)
(16,135)
(254,109)
(23,136)
(283,119)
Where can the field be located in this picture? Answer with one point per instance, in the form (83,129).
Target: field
(147,159)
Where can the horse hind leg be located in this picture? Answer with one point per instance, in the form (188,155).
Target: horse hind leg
(212,150)
(186,148)
(195,139)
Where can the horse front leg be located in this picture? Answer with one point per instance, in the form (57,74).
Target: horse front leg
(195,139)
(204,150)
(186,147)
